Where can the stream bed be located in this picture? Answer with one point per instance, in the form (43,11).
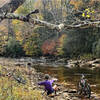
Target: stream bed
(72,76)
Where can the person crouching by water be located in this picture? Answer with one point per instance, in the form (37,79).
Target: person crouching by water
(48,85)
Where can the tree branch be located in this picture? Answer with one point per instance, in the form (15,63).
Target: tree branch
(33,12)
(84,24)
(11,6)
(34,21)
(28,19)
(6,12)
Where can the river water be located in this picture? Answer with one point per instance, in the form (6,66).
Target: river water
(72,76)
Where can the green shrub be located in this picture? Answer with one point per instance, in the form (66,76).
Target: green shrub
(13,49)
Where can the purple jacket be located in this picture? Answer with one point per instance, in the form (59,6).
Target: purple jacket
(47,84)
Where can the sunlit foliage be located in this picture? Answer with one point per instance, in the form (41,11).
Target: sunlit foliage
(32,45)
(61,40)
(88,13)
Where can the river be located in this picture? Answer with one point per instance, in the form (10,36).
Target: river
(72,76)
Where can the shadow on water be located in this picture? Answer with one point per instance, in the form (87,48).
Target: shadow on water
(72,76)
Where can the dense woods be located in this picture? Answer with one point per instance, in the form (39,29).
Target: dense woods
(19,38)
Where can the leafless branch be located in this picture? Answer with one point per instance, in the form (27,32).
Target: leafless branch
(61,26)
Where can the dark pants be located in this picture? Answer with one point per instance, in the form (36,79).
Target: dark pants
(50,92)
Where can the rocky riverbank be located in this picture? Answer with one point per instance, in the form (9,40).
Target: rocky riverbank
(43,61)
(23,67)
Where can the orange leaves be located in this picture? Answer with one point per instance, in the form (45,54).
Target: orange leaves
(54,47)
(49,47)
(76,3)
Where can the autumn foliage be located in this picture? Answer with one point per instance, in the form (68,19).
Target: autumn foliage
(36,40)
(49,47)
(54,47)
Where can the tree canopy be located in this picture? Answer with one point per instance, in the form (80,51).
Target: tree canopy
(53,27)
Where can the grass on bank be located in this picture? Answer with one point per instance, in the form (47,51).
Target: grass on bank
(10,89)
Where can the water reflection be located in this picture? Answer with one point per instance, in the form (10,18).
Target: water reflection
(72,76)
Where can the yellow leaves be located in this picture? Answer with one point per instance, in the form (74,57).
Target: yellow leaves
(18,25)
(88,10)
(62,38)
(31,45)
(61,43)
(83,15)
(18,36)
(15,22)
(88,13)
(88,16)
(92,11)
(0,67)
